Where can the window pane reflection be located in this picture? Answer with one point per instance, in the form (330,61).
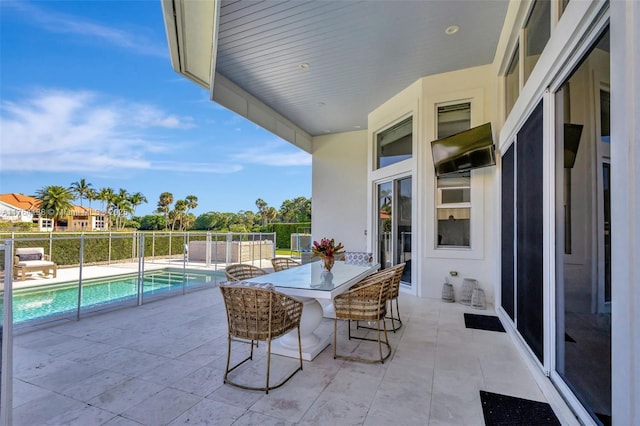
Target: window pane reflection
(537,33)
(394,144)
(583,335)
(512,82)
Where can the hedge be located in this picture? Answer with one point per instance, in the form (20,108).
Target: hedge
(284,230)
(64,248)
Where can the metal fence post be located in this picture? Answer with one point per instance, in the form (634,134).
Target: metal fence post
(80,276)
(215,254)
(109,257)
(207,250)
(140,268)
(185,254)
(228,252)
(6,338)
(134,245)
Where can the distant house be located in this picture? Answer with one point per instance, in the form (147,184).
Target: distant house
(23,208)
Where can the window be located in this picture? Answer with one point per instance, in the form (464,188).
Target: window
(394,144)
(453,204)
(99,222)
(536,34)
(454,210)
(512,82)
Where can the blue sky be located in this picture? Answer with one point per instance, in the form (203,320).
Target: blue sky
(87,91)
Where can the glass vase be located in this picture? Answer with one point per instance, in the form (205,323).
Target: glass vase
(327,262)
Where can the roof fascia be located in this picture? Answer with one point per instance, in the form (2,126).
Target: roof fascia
(185,22)
(238,100)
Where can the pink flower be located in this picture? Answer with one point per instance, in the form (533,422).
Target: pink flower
(327,247)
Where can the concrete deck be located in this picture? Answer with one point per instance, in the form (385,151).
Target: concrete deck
(163,362)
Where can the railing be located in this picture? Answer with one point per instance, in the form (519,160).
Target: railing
(88,256)
(84,256)
(6,336)
(110,247)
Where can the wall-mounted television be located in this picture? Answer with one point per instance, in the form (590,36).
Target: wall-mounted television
(470,149)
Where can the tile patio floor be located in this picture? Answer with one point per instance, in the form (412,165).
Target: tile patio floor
(163,362)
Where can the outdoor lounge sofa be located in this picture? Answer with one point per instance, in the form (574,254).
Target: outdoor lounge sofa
(30,259)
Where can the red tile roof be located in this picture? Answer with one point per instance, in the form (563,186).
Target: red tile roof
(20,201)
(25,202)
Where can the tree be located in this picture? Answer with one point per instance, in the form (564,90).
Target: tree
(270,213)
(164,205)
(178,213)
(192,202)
(296,210)
(55,202)
(91,195)
(188,219)
(152,222)
(136,199)
(123,207)
(80,188)
(206,221)
(106,196)
(261,205)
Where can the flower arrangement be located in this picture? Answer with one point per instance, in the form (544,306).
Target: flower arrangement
(327,249)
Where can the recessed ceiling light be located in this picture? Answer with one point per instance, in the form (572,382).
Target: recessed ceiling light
(356,127)
(304,66)
(452,29)
(327,130)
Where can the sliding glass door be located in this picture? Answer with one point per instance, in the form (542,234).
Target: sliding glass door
(395,225)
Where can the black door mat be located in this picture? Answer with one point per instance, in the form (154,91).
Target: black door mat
(483,322)
(504,410)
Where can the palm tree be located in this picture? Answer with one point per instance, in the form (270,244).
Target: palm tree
(91,195)
(55,202)
(188,220)
(123,207)
(80,188)
(136,199)
(179,211)
(270,213)
(106,195)
(192,202)
(261,205)
(164,206)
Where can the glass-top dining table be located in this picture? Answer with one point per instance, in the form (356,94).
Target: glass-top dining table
(310,284)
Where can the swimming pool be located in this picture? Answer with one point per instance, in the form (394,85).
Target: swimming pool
(38,303)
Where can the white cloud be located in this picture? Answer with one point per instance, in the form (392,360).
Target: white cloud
(61,23)
(65,131)
(276,153)
(218,168)
(84,131)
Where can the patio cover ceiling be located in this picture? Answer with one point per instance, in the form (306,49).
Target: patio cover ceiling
(307,68)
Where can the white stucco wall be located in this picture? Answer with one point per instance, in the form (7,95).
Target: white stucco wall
(477,84)
(14,214)
(421,99)
(339,188)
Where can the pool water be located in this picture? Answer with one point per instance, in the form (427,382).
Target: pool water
(38,303)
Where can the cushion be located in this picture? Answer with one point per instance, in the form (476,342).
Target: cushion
(35,263)
(357,258)
(266,286)
(29,256)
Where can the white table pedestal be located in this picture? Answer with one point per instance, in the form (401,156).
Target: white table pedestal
(312,344)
